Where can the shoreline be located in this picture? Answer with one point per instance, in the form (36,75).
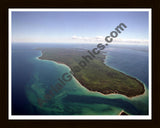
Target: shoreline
(38,57)
(112,93)
(116,93)
(124,72)
(128,75)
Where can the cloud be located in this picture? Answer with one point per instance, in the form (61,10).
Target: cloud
(80,39)
(130,41)
(84,39)
(76,37)
(101,39)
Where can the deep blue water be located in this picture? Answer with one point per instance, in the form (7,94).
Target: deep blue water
(21,73)
(132,60)
(23,66)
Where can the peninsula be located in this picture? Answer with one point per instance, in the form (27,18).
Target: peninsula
(95,76)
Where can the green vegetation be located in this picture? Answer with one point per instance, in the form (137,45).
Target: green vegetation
(95,76)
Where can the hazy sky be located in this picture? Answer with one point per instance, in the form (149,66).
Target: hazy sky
(78,26)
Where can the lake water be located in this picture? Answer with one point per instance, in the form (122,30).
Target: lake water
(32,78)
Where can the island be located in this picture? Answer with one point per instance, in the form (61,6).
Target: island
(123,113)
(93,73)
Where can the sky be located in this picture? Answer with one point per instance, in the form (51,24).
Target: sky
(78,27)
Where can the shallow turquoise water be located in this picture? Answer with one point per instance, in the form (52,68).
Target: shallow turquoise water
(71,99)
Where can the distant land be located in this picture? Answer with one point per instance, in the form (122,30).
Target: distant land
(96,76)
(123,113)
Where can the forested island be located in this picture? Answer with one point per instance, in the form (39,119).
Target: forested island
(95,75)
